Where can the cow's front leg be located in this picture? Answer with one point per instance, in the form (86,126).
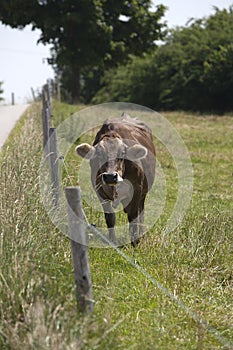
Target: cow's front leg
(110,219)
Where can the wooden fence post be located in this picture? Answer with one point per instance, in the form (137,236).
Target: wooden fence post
(54,166)
(79,250)
(33,94)
(58,88)
(12,98)
(45,124)
(50,95)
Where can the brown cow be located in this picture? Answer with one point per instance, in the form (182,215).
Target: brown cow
(122,161)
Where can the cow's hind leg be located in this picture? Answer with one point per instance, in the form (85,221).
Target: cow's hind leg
(134,225)
(134,232)
(135,212)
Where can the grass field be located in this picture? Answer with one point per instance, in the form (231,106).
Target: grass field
(173,291)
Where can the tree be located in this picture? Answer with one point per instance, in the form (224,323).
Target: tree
(88,33)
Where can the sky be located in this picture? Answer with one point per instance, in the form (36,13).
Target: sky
(23,62)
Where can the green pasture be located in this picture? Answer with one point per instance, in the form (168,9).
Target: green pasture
(173,291)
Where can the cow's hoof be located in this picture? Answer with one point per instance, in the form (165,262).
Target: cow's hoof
(113,241)
(135,242)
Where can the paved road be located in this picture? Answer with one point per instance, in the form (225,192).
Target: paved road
(8,117)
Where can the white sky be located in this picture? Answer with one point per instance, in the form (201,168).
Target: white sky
(21,59)
(21,63)
(180,11)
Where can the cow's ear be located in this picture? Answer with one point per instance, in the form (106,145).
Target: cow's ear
(136,152)
(85,150)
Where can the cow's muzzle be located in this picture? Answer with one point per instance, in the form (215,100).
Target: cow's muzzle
(111,178)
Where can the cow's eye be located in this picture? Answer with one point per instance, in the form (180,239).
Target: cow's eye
(99,153)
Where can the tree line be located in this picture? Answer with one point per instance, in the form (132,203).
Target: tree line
(103,50)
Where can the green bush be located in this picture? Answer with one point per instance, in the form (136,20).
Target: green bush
(191,71)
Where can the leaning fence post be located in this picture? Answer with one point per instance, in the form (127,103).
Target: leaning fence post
(54,166)
(79,250)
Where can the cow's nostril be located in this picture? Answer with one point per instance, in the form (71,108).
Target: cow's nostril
(104,177)
(110,178)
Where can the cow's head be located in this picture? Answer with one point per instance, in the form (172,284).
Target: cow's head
(108,157)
